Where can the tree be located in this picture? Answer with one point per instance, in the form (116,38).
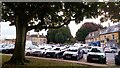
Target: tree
(51,35)
(61,35)
(59,38)
(85,29)
(110,11)
(42,15)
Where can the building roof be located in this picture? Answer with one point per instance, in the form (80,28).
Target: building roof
(111,29)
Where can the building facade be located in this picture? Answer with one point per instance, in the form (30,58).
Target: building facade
(109,35)
(37,39)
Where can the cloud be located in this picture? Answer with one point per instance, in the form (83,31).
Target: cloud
(7,31)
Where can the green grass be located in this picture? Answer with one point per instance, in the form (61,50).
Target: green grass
(40,63)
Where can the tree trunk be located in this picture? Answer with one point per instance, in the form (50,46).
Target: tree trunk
(19,51)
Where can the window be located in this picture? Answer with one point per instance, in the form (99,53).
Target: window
(95,50)
(104,36)
(40,39)
(113,37)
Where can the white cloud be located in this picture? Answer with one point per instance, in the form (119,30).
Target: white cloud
(7,31)
(74,27)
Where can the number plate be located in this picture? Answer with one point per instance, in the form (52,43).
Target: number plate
(68,57)
(95,59)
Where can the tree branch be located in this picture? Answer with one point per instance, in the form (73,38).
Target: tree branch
(33,13)
(40,27)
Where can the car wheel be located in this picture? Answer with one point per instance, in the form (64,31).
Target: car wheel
(28,54)
(64,58)
(57,56)
(77,58)
(38,55)
(88,60)
(104,61)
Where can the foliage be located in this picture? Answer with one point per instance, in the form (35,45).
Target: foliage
(85,29)
(60,35)
(110,10)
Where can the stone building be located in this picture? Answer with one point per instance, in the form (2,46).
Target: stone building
(110,34)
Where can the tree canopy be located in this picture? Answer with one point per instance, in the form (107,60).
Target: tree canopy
(61,35)
(85,29)
(110,11)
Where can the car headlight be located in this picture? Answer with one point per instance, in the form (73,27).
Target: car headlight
(74,54)
(63,54)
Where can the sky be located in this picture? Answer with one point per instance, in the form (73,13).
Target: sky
(8,32)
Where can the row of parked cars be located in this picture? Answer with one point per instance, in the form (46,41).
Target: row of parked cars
(65,52)
(75,52)
(7,48)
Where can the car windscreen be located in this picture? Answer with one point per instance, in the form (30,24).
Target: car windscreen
(42,48)
(95,50)
(89,47)
(72,50)
(57,49)
(113,48)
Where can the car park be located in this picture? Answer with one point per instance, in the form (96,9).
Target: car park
(96,55)
(55,52)
(73,53)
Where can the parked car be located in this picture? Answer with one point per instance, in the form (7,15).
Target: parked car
(110,49)
(30,50)
(86,49)
(8,49)
(96,55)
(117,59)
(73,53)
(114,49)
(2,47)
(55,52)
(41,51)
